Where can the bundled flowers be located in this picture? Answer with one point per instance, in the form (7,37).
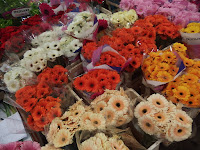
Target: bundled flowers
(193,27)
(123,19)
(115,106)
(17,78)
(21,146)
(179,12)
(161,118)
(104,142)
(97,80)
(36,99)
(160,66)
(83,26)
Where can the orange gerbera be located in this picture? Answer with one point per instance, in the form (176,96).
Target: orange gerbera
(91,85)
(50,99)
(101,77)
(104,85)
(79,83)
(30,104)
(188,62)
(42,85)
(42,103)
(45,78)
(22,101)
(171,86)
(162,67)
(181,92)
(179,47)
(190,78)
(173,70)
(169,57)
(197,64)
(114,77)
(135,62)
(130,68)
(136,30)
(151,68)
(52,105)
(42,122)
(30,120)
(53,113)
(164,76)
(42,92)
(38,112)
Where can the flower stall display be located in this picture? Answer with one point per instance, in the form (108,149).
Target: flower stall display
(161,118)
(115,106)
(104,142)
(41,100)
(17,78)
(123,19)
(190,36)
(83,25)
(179,12)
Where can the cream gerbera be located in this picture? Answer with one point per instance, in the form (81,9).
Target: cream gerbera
(119,104)
(110,116)
(147,125)
(62,138)
(97,121)
(142,109)
(158,101)
(182,118)
(88,145)
(99,106)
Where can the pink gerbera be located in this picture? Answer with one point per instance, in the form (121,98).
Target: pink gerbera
(46,10)
(29,145)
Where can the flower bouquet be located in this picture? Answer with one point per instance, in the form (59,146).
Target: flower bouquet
(162,67)
(41,100)
(94,82)
(123,19)
(191,36)
(162,119)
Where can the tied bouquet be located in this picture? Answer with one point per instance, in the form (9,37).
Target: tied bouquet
(163,119)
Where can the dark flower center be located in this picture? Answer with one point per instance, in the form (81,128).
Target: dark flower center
(46,12)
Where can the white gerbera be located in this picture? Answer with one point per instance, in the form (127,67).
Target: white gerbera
(13,85)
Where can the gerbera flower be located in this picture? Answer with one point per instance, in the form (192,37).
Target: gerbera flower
(45,78)
(181,92)
(30,120)
(110,116)
(136,30)
(101,77)
(30,104)
(46,10)
(79,83)
(53,113)
(173,70)
(114,77)
(161,118)
(158,101)
(180,133)
(52,105)
(98,121)
(162,67)
(38,112)
(171,86)
(143,108)
(197,64)
(22,101)
(42,122)
(105,58)
(188,62)
(192,102)
(182,118)
(85,118)
(164,76)
(62,138)
(135,62)
(99,106)
(121,120)
(147,125)
(42,92)
(63,79)
(78,112)
(190,78)
(168,57)
(91,85)
(119,104)
(88,145)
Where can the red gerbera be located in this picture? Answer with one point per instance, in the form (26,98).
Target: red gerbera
(104,85)
(46,10)
(42,92)
(135,62)
(53,113)
(30,120)
(79,83)
(30,104)
(101,77)
(52,105)
(42,122)
(91,85)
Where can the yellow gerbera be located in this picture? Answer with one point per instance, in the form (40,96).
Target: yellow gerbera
(148,75)
(154,75)
(179,47)
(193,24)
(145,66)
(190,78)
(162,67)
(181,92)
(192,29)
(188,62)
(173,70)
(164,76)
(154,54)
(169,57)
(171,86)
(151,68)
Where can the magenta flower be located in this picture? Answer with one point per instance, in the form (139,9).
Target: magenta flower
(126,5)
(141,9)
(46,10)
(29,145)
(192,7)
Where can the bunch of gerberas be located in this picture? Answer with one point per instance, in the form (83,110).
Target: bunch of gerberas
(185,89)
(36,99)
(115,106)
(17,78)
(160,66)
(33,20)
(97,80)
(161,118)
(124,19)
(104,142)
